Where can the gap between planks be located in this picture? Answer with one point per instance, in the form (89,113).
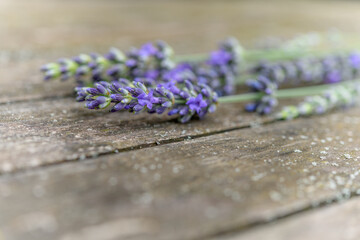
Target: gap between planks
(261,122)
(38,99)
(325,201)
(262,222)
(17,172)
(313,204)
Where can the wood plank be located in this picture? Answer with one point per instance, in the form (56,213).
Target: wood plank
(193,189)
(45,132)
(332,223)
(22,81)
(27,41)
(133,22)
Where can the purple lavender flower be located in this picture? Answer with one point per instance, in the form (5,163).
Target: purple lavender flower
(150,61)
(181,72)
(332,76)
(219,57)
(354,60)
(84,66)
(262,84)
(263,105)
(223,65)
(185,99)
(196,103)
(329,69)
(218,71)
(151,64)
(268,101)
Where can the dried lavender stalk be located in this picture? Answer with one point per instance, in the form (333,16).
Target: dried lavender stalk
(84,65)
(188,99)
(148,62)
(336,97)
(151,65)
(218,71)
(185,99)
(330,69)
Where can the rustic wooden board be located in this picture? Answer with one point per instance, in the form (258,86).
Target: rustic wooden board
(150,177)
(332,223)
(56,130)
(192,189)
(22,81)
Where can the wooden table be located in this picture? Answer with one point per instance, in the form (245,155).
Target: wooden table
(69,173)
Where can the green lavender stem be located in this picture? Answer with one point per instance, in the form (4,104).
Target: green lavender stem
(284,93)
(333,98)
(271,55)
(280,53)
(251,55)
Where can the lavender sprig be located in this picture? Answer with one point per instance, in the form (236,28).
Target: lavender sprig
(330,69)
(218,71)
(151,61)
(336,97)
(148,62)
(226,64)
(152,64)
(84,65)
(188,100)
(184,99)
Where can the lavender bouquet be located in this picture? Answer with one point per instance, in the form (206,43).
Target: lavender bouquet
(147,79)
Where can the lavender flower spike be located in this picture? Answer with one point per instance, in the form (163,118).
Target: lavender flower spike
(185,99)
(150,61)
(83,65)
(218,71)
(336,97)
(223,66)
(329,69)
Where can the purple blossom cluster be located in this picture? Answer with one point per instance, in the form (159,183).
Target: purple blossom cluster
(83,66)
(185,99)
(148,62)
(218,71)
(152,64)
(270,76)
(223,66)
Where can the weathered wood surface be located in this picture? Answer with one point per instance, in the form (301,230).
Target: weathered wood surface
(191,189)
(58,130)
(150,177)
(331,223)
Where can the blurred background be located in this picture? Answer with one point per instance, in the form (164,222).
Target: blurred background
(36,32)
(49,27)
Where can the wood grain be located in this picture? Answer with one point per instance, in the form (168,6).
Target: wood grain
(339,221)
(149,177)
(57,130)
(191,189)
